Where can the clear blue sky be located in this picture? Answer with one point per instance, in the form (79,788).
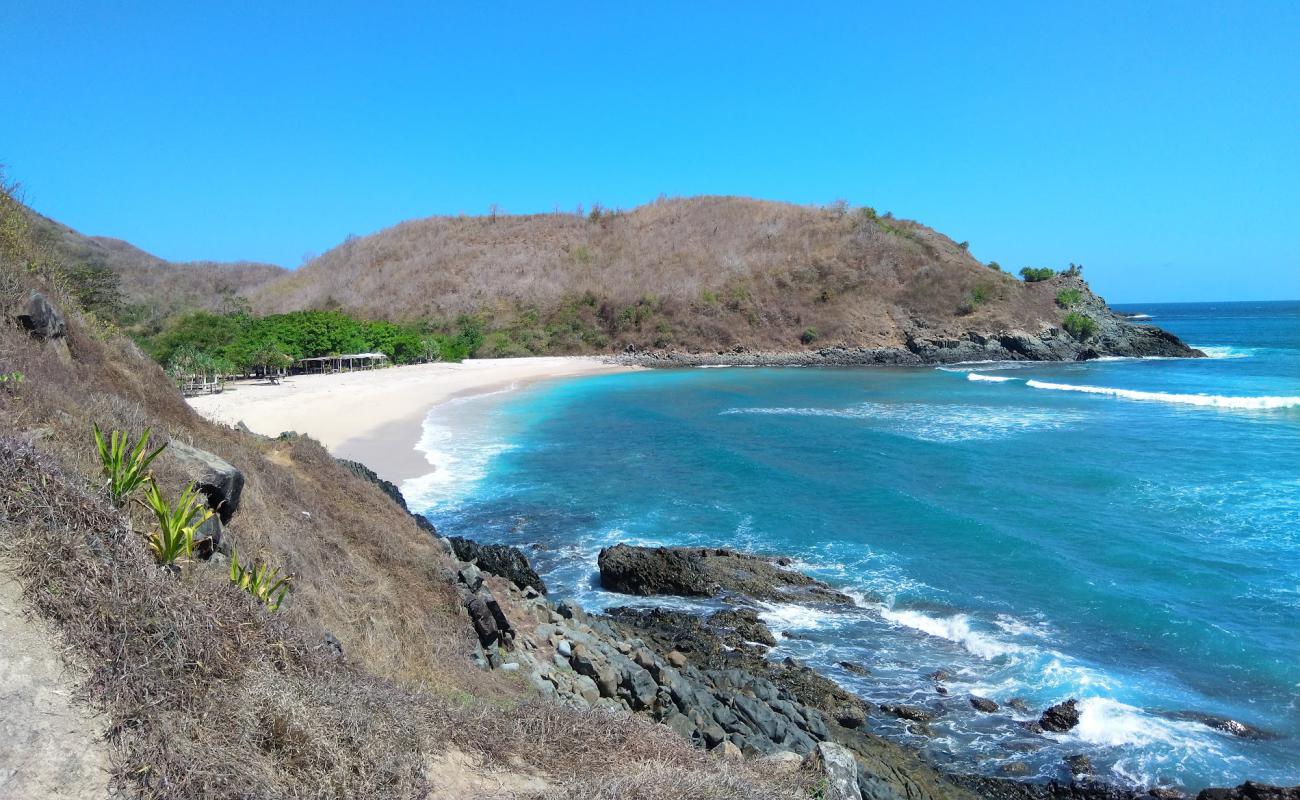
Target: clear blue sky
(1156,143)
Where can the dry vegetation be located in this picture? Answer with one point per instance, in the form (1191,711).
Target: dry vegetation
(695,274)
(207,693)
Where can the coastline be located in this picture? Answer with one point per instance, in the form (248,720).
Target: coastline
(375,416)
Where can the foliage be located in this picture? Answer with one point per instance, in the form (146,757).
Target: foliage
(263,582)
(808,336)
(1068,297)
(10,381)
(124,467)
(1080,326)
(174,539)
(1036,274)
(995,266)
(1074,271)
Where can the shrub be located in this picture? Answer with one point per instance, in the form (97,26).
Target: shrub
(1080,326)
(995,266)
(808,336)
(1068,297)
(174,539)
(263,582)
(10,381)
(1036,274)
(964,245)
(125,468)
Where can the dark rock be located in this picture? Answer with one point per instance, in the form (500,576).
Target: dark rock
(850,716)
(1079,765)
(499,559)
(1225,725)
(744,624)
(940,675)
(1060,717)
(943,690)
(1018,704)
(853,667)
(366,473)
(489,620)
(215,478)
(707,572)
(1251,791)
(41,319)
(983,704)
(911,713)
(1017,768)
(331,643)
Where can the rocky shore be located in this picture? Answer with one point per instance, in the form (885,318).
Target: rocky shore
(1116,335)
(709,677)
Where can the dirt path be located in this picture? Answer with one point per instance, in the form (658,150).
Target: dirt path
(50,746)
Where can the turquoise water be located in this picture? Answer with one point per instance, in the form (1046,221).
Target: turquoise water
(1135,545)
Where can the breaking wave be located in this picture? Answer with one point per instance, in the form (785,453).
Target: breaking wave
(1204,400)
(936,422)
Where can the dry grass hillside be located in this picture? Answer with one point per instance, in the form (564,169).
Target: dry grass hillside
(126,285)
(696,274)
(361,686)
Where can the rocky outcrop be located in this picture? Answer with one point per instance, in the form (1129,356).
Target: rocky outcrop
(708,572)
(499,559)
(1114,335)
(1252,791)
(838,770)
(1060,717)
(41,319)
(367,474)
(219,481)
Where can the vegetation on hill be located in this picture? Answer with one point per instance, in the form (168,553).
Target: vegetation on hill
(697,275)
(359,685)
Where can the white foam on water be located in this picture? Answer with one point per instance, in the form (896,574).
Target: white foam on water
(794,617)
(1109,723)
(975,376)
(1225,351)
(714,366)
(956,628)
(459,453)
(938,422)
(1203,400)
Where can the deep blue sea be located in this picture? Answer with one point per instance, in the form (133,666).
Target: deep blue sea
(1126,532)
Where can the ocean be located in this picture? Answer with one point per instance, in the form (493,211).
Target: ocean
(1124,532)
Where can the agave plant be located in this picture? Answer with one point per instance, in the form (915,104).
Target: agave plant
(174,539)
(125,466)
(263,582)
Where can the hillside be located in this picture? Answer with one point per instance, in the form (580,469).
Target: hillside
(696,276)
(140,291)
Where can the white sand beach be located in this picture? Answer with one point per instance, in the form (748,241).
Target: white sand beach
(375,416)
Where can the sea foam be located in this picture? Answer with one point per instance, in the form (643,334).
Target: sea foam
(975,376)
(956,628)
(1204,400)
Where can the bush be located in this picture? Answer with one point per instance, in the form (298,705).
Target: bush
(1036,274)
(124,467)
(1068,297)
(263,582)
(995,266)
(808,336)
(174,539)
(1080,326)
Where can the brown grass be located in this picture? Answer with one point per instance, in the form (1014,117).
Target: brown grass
(208,694)
(706,272)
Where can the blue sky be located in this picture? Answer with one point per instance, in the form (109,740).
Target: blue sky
(1156,143)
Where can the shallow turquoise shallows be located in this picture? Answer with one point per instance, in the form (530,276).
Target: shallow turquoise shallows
(1124,532)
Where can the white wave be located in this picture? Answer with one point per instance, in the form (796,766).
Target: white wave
(793,617)
(459,446)
(975,376)
(1139,316)
(936,423)
(715,366)
(955,629)
(1205,400)
(1110,723)
(1225,351)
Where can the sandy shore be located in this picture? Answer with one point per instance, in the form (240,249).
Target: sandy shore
(375,417)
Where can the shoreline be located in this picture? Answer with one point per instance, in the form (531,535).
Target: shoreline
(376,416)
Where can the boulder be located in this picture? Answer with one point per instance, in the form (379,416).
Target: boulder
(838,768)
(366,473)
(1060,717)
(489,620)
(910,713)
(854,667)
(1079,765)
(744,624)
(40,319)
(708,572)
(219,482)
(499,559)
(983,704)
